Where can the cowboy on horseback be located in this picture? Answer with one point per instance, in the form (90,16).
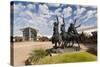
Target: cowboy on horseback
(74,36)
(56,39)
(55,31)
(62,28)
(55,28)
(72,29)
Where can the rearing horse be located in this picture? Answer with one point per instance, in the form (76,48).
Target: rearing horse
(56,39)
(65,37)
(69,37)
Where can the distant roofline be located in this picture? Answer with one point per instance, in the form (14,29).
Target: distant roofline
(30,28)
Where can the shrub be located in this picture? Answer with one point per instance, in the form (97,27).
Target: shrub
(92,50)
(35,56)
(28,61)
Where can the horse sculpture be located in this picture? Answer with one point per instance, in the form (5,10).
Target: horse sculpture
(56,38)
(70,36)
(65,38)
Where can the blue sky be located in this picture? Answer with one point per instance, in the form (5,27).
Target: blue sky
(41,16)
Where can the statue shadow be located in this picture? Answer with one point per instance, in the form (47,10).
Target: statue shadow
(62,50)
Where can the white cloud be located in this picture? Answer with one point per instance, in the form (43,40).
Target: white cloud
(29,18)
(31,6)
(87,28)
(79,12)
(93,7)
(70,21)
(67,11)
(19,7)
(53,4)
(51,22)
(90,14)
(57,11)
(45,16)
(38,19)
(43,9)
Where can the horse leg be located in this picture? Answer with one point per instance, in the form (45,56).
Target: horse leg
(72,43)
(65,43)
(78,45)
(69,43)
(62,45)
(59,43)
(55,45)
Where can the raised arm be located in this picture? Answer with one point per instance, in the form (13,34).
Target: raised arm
(75,21)
(63,21)
(78,26)
(57,19)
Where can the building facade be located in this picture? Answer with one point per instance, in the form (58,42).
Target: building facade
(29,34)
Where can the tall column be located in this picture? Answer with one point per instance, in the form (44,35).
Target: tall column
(23,36)
(29,34)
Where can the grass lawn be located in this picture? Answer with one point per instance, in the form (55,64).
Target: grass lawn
(68,58)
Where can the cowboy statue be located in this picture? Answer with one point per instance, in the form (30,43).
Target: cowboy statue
(56,36)
(72,29)
(62,28)
(55,28)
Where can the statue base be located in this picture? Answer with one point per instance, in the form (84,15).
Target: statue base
(60,50)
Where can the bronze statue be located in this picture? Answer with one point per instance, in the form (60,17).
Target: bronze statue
(55,28)
(56,39)
(63,27)
(65,37)
(74,36)
(72,29)
(71,35)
